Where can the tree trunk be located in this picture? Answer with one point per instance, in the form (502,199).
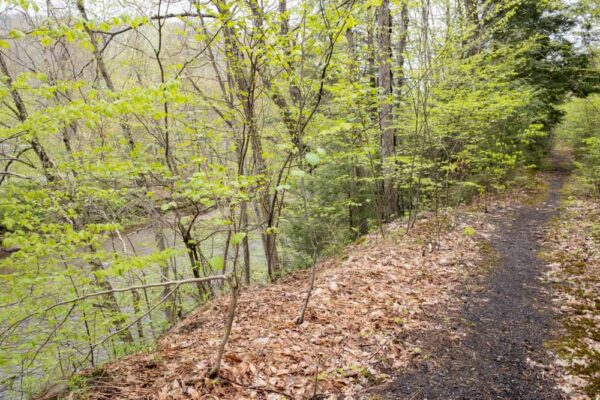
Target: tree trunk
(266,211)
(357,215)
(102,69)
(159,237)
(471,11)
(245,242)
(38,149)
(245,81)
(135,301)
(111,302)
(386,119)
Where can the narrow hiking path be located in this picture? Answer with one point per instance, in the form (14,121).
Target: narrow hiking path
(502,325)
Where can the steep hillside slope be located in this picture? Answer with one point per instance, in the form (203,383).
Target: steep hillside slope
(368,320)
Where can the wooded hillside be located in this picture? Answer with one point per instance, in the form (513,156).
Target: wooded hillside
(156,154)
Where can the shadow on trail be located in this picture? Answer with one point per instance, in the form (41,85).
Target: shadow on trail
(505,324)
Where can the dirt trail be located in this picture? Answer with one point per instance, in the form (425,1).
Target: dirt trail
(502,326)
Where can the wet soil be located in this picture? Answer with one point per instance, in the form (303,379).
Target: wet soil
(493,346)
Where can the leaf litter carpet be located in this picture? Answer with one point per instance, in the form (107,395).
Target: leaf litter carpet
(364,309)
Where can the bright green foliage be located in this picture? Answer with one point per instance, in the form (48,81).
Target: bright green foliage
(581,130)
(148,144)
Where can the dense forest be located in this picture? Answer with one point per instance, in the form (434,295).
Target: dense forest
(156,154)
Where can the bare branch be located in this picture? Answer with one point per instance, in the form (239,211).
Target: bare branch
(6,332)
(156,18)
(130,288)
(13,174)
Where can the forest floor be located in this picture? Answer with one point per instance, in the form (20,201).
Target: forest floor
(504,322)
(458,308)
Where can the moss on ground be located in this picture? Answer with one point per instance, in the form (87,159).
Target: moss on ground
(573,250)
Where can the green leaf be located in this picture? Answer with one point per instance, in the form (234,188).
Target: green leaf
(298,173)
(237,238)
(168,206)
(9,223)
(16,34)
(312,158)
(217,262)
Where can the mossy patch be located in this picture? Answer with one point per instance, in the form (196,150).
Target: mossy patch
(490,258)
(584,361)
(576,290)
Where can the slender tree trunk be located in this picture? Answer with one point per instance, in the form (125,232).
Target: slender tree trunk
(386,114)
(401,49)
(195,262)
(471,8)
(471,12)
(265,210)
(245,81)
(111,302)
(245,242)
(38,149)
(135,302)
(169,310)
(357,214)
(99,58)
(234,287)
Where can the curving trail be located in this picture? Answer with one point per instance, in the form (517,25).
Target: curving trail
(504,324)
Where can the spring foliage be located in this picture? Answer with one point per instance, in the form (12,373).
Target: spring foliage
(157,141)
